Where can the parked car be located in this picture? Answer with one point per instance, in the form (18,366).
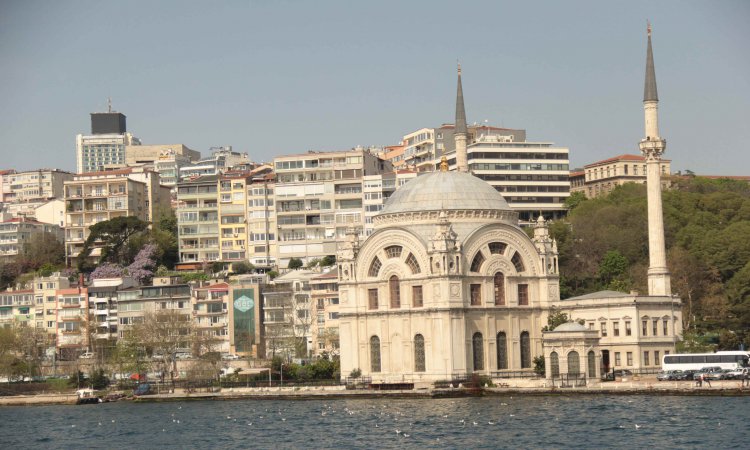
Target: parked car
(183,356)
(230,357)
(737,374)
(720,375)
(87,355)
(686,375)
(706,371)
(623,373)
(669,375)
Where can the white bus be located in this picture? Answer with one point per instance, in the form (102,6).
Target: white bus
(697,361)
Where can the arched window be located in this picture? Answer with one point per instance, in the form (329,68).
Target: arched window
(525,350)
(497,248)
(395,289)
(393,251)
(477,347)
(502,351)
(554,364)
(419,359)
(517,262)
(411,261)
(574,364)
(375,354)
(499,288)
(374,267)
(476,263)
(592,365)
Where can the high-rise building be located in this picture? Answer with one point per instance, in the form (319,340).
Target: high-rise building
(104,148)
(261,221)
(221,159)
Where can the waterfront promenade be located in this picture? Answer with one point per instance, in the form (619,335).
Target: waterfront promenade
(628,387)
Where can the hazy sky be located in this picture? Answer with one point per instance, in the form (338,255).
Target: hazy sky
(283,77)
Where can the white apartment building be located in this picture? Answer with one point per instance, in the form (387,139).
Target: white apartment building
(15,233)
(198,221)
(261,221)
(377,189)
(221,159)
(35,185)
(318,195)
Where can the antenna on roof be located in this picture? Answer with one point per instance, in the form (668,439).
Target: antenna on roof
(109,104)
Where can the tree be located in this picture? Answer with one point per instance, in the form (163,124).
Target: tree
(575,199)
(295,263)
(612,270)
(555,319)
(328,260)
(113,236)
(163,334)
(142,268)
(41,249)
(539,367)
(242,267)
(107,270)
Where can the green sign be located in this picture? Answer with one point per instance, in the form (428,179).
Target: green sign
(243,302)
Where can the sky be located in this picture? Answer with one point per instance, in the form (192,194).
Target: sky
(275,78)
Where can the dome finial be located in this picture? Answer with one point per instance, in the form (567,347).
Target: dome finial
(648,30)
(443,164)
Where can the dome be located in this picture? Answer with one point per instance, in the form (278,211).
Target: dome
(571,326)
(437,191)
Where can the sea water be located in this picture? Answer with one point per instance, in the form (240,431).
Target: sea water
(513,422)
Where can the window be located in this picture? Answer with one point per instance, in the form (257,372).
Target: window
(523,294)
(411,261)
(477,348)
(374,267)
(393,251)
(574,364)
(644,327)
(628,330)
(655,328)
(629,356)
(416,297)
(499,289)
(603,326)
(646,362)
(592,364)
(616,328)
(618,361)
(517,262)
(554,364)
(375,354)
(395,292)
(657,359)
(497,248)
(372,299)
(419,359)
(665,327)
(502,351)
(525,350)
(476,294)
(476,263)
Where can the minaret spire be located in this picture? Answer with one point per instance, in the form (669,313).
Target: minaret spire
(652,148)
(460,133)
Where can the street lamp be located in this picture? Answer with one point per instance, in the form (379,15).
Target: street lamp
(281,375)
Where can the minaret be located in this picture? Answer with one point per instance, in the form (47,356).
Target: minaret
(652,147)
(460,133)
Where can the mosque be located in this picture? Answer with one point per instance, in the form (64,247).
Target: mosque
(448,284)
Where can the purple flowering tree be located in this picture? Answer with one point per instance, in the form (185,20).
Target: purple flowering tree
(107,270)
(142,269)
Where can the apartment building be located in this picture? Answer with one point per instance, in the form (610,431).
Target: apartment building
(35,185)
(261,222)
(15,233)
(95,197)
(601,177)
(5,190)
(377,189)
(16,307)
(198,222)
(232,211)
(103,309)
(72,333)
(319,195)
(134,304)
(221,159)
(325,305)
(211,316)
